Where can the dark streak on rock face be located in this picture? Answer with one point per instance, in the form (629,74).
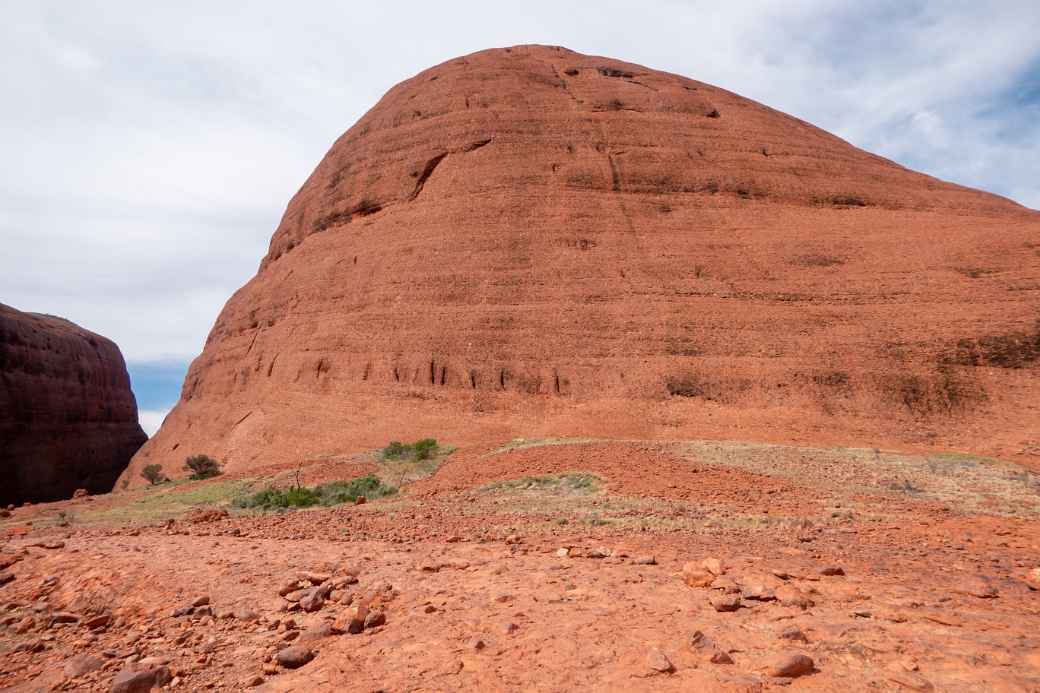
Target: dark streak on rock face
(68,418)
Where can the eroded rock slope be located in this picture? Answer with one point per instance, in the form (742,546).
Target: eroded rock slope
(532,241)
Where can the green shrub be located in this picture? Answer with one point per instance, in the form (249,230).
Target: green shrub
(153,473)
(332,493)
(348,491)
(202,467)
(424,449)
(419,450)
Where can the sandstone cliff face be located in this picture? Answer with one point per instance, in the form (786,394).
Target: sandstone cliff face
(534,242)
(68,419)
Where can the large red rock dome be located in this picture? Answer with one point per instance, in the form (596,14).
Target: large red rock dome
(534,242)
(68,419)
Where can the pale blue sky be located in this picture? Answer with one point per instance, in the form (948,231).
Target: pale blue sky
(151,147)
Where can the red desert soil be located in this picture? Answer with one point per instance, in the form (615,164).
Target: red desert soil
(544,565)
(534,242)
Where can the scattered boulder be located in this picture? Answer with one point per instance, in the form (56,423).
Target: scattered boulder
(315,633)
(720,657)
(657,662)
(289,588)
(375,618)
(98,620)
(80,665)
(707,648)
(294,656)
(724,602)
(793,633)
(315,578)
(696,576)
(789,665)
(726,584)
(789,595)
(132,679)
(757,591)
(313,600)
(351,621)
(64,617)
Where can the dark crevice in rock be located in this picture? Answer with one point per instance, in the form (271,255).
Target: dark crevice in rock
(426,173)
(477,145)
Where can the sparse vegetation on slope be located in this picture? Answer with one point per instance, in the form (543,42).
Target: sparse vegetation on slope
(331,493)
(419,450)
(401,464)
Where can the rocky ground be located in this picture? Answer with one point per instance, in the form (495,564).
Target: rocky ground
(543,565)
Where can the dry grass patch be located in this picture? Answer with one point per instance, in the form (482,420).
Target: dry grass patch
(964,482)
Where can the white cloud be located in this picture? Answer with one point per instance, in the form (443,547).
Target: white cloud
(152,148)
(151,420)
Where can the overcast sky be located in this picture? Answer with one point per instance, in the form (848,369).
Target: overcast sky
(151,148)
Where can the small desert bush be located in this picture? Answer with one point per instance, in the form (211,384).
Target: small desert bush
(332,493)
(154,474)
(202,467)
(419,450)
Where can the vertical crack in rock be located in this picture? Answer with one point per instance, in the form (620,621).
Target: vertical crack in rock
(615,174)
(563,82)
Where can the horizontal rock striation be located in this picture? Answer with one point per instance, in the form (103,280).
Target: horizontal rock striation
(530,241)
(68,419)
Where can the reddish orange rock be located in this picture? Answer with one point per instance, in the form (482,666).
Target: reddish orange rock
(68,419)
(534,242)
